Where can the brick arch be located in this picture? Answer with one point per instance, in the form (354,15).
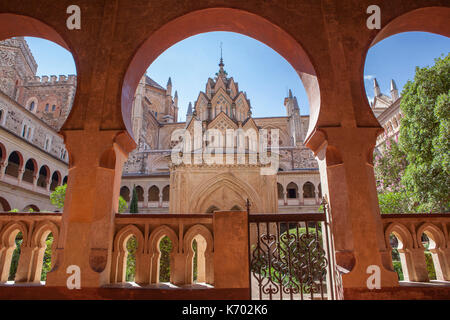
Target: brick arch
(211,19)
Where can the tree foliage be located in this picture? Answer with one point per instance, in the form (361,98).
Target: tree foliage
(425,135)
(58,196)
(413,174)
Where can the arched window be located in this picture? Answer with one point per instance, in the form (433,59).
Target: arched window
(153,194)
(44,175)
(308,190)
(236,208)
(165,193)
(56,179)
(46,107)
(31,107)
(53,108)
(30,171)
(14,164)
(125,193)
(292,190)
(140,193)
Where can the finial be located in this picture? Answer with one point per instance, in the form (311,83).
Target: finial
(393,85)
(169,82)
(290,93)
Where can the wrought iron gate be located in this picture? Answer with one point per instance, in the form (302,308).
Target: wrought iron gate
(289,257)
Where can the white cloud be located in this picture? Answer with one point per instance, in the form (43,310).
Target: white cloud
(369,77)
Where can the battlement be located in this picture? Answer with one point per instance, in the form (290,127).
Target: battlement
(52,80)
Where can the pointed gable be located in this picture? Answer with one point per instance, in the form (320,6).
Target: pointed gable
(222,122)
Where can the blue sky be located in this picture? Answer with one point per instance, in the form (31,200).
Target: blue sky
(259,70)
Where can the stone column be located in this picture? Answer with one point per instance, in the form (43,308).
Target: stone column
(160,199)
(285,197)
(35,178)
(2,169)
(345,163)
(316,194)
(20,176)
(301,200)
(231,269)
(86,234)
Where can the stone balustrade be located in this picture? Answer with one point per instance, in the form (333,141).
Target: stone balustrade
(148,230)
(408,229)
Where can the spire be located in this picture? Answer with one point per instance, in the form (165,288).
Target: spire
(221,72)
(296,107)
(394,91)
(169,82)
(290,94)
(393,85)
(189,111)
(376,88)
(176,94)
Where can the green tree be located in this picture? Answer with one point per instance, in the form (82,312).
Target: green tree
(134,202)
(425,135)
(58,196)
(122,205)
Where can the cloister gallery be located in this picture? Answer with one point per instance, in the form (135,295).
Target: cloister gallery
(329,255)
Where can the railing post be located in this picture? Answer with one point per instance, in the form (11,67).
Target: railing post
(231,269)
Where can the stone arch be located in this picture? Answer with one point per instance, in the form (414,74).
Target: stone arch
(32,104)
(65,180)
(56,180)
(125,193)
(236,208)
(211,19)
(153,193)
(308,190)
(402,233)
(205,245)
(292,190)
(8,245)
(438,248)
(34,207)
(15,164)
(155,254)
(140,193)
(43,176)
(30,170)
(15,25)
(4,205)
(431,19)
(434,233)
(120,253)
(411,259)
(38,238)
(201,201)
